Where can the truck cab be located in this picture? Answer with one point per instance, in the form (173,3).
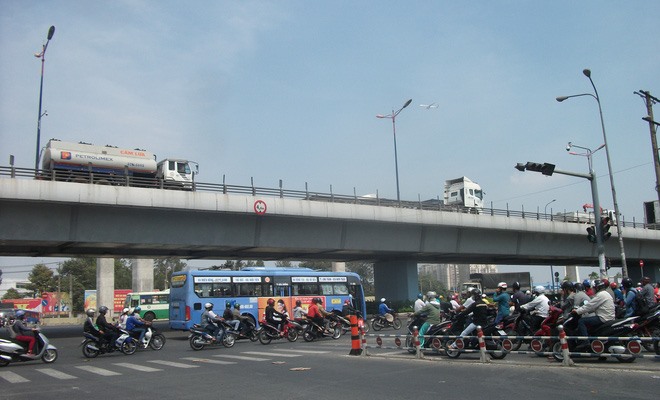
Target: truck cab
(177,173)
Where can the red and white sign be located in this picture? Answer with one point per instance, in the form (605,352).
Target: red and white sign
(260,207)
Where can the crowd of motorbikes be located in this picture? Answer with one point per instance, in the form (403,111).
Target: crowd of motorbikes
(516,330)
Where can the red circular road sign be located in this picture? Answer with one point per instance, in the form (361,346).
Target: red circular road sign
(437,343)
(379,341)
(397,342)
(459,344)
(507,344)
(597,346)
(260,207)
(641,263)
(536,345)
(634,347)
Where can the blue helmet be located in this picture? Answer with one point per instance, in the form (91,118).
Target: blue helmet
(420,296)
(20,314)
(137,309)
(586,283)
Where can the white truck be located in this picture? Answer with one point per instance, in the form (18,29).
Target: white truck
(78,162)
(463,192)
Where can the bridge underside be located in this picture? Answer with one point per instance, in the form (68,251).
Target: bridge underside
(47,229)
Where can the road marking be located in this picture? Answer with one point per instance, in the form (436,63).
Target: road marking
(136,367)
(97,370)
(309,351)
(12,377)
(259,353)
(207,361)
(55,374)
(173,364)
(241,357)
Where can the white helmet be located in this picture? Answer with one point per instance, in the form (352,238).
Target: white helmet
(382,300)
(431,295)
(539,289)
(502,285)
(125,311)
(208,306)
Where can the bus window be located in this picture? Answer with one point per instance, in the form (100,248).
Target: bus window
(340,288)
(326,288)
(304,289)
(203,289)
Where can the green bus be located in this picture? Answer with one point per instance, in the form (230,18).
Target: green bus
(154,305)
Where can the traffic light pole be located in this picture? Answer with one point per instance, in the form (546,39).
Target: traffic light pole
(600,246)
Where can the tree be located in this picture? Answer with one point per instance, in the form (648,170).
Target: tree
(12,293)
(283,263)
(594,275)
(366,272)
(41,280)
(123,274)
(78,275)
(163,269)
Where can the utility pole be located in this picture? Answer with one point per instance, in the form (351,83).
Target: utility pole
(650,100)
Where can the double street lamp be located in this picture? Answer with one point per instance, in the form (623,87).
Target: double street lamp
(41,55)
(396,161)
(619,223)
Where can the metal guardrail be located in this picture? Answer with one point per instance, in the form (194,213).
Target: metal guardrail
(431,205)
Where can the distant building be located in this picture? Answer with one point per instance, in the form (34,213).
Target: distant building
(8,283)
(451,275)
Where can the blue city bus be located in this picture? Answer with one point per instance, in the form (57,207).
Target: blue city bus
(251,287)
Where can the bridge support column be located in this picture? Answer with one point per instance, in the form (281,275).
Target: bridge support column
(338,266)
(105,283)
(396,280)
(572,273)
(143,275)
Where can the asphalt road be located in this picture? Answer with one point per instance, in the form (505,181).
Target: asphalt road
(317,370)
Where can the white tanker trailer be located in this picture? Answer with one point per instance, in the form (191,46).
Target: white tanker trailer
(112,165)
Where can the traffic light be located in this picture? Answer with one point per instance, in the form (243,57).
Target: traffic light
(544,168)
(605,228)
(591,234)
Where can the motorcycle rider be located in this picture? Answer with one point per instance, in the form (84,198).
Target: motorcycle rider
(629,294)
(210,320)
(109,332)
(432,312)
(518,297)
(24,333)
(618,294)
(588,290)
(123,317)
(299,313)
(455,305)
(502,298)
(538,307)
(228,316)
(568,297)
(479,310)
(384,310)
(135,324)
(601,304)
(419,303)
(273,317)
(648,292)
(239,317)
(347,309)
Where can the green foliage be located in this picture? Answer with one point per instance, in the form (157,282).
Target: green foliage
(366,272)
(41,280)
(163,269)
(123,274)
(284,264)
(77,275)
(12,293)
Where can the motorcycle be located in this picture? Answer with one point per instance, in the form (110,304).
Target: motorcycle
(596,347)
(200,338)
(152,339)
(13,351)
(248,330)
(268,332)
(519,324)
(92,345)
(385,321)
(454,347)
(648,325)
(315,331)
(548,328)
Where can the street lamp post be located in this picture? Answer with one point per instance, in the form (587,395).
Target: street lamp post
(617,214)
(396,160)
(41,55)
(545,209)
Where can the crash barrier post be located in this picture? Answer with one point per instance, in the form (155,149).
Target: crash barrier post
(363,339)
(483,357)
(415,340)
(566,359)
(356,348)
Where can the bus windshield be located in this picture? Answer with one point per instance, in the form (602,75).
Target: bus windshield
(153,305)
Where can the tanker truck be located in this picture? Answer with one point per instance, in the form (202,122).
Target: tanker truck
(110,165)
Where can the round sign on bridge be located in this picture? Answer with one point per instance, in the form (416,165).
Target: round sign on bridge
(260,207)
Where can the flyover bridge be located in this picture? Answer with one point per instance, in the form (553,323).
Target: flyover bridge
(63,219)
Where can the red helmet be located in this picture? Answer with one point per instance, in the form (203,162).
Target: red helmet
(271,302)
(613,285)
(347,302)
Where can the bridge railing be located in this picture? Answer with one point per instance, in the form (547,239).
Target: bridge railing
(146,182)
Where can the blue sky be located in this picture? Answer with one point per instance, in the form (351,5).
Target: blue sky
(290,89)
